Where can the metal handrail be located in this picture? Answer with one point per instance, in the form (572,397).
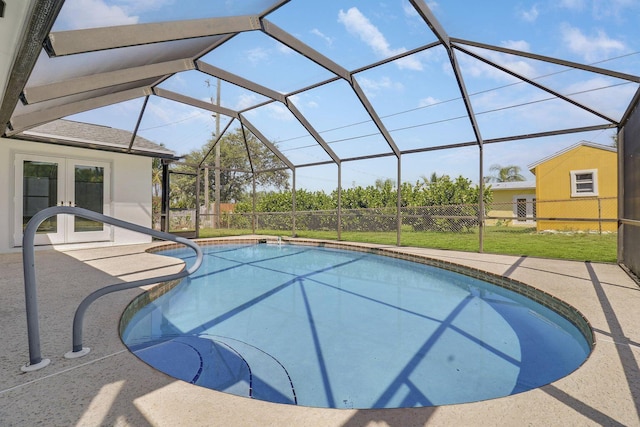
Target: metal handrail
(28,261)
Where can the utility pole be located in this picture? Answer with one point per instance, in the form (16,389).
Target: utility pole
(217,162)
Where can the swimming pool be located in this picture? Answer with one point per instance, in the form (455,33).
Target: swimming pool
(332,328)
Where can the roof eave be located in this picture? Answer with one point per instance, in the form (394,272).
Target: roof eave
(532,166)
(50,139)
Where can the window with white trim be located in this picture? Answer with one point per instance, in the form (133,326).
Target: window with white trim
(584,183)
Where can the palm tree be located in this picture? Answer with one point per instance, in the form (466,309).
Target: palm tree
(433,178)
(509,173)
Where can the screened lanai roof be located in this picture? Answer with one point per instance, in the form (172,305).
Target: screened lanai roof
(327,82)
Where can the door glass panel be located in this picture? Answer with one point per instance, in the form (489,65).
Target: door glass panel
(89,194)
(40,191)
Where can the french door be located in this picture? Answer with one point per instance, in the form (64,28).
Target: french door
(44,181)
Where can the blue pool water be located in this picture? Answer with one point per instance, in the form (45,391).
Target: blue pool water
(332,328)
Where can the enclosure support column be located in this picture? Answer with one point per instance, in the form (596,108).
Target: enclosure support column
(217,160)
(399,204)
(293,204)
(253,216)
(198,183)
(164,208)
(621,200)
(205,188)
(481,201)
(339,201)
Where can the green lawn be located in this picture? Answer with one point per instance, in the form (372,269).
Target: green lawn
(499,240)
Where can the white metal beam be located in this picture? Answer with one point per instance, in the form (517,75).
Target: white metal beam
(374,116)
(535,84)
(287,39)
(428,17)
(35,17)
(239,81)
(167,94)
(35,94)
(570,64)
(266,142)
(304,122)
(29,120)
(89,40)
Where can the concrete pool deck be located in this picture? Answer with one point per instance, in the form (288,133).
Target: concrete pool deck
(110,386)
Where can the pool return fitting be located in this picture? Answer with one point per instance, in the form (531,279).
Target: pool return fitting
(28,262)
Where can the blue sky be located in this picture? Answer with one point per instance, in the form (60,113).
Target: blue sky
(417,97)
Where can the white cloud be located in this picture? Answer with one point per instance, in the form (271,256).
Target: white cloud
(530,15)
(409,63)
(573,4)
(359,25)
(594,48)
(612,8)
(171,115)
(141,6)
(279,112)
(429,100)
(284,49)
(246,101)
(303,102)
(257,55)
(77,14)
(328,40)
(478,69)
(176,83)
(409,10)
(597,94)
(373,87)
(521,45)
(260,55)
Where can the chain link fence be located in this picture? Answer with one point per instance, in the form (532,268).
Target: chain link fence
(445,218)
(575,215)
(570,215)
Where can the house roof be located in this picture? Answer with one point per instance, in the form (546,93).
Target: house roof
(532,166)
(68,132)
(516,185)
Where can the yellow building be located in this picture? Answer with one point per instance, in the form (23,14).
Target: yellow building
(577,189)
(514,204)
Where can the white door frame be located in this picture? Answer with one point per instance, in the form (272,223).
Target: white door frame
(65,232)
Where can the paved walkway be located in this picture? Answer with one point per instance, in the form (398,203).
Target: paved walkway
(110,386)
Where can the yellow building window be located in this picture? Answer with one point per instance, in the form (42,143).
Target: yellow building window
(584,183)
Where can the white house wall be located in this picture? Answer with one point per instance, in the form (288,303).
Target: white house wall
(130,188)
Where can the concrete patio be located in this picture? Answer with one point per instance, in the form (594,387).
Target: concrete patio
(110,386)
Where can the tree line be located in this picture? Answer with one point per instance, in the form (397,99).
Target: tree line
(441,190)
(241,152)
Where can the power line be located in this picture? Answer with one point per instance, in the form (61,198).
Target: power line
(199,113)
(459,117)
(455,99)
